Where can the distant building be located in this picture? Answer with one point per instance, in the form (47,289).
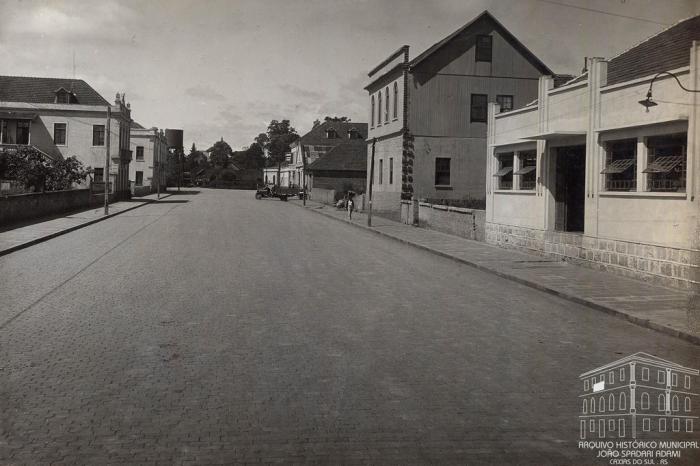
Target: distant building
(586,173)
(319,141)
(64,118)
(342,169)
(428,114)
(149,148)
(638,396)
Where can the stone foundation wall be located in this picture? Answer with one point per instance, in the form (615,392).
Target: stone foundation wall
(666,266)
(467,223)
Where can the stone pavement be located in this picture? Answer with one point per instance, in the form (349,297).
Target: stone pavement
(659,308)
(28,235)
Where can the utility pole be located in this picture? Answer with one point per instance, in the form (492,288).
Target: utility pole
(303,175)
(371,182)
(108,134)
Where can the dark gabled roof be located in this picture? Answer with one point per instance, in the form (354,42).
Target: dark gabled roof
(348,156)
(43,90)
(317,135)
(544,69)
(665,51)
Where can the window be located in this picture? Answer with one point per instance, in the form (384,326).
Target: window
(591,425)
(593,405)
(621,165)
(479,108)
(386,107)
(527,173)
(645,373)
(601,428)
(585,385)
(662,425)
(391,170)
(611,424)
(381,171)
(505,101)
(442,171)
(611,377)
(484,45)
(505,176)
(372,117)
(666,163)
(139,178)
(674,403)
(622,374)
(676,424)
(601,404)
(687,381)
(645,400)
(674,379)
(98,135)
(611,403)
(379,111)
(396,100)
(99,175)
(623,402)
(331,133)
(688,425)
(687,404)
(139,152)
(4,137)
(62,97)
(661,402)
(59,134)
(646,424)
(621,427)
(585,406)
(22,132)
(661,376)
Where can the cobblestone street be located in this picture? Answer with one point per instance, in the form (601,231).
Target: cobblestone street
(211,328)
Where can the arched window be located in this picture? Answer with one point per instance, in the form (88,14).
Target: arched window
(372,111)
(601,404)
(623,401)
(386,110)
(611,403)
(645,401)
(674,402)
(585,406)
(662,402)
(379,107)
(396,100)
(687,403)
(593,405)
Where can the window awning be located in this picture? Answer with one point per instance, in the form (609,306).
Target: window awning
(525,170)
(504,171)
(617,166)
(553,135)
(664,164)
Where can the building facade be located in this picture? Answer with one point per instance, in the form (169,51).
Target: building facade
(428,115)
(342,169)
(67,117)
(148,168)
(639,396)
(588,174)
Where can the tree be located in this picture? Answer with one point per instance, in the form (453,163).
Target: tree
(280,135)
(316,122)
(220,153)
(36,171)
(337,119)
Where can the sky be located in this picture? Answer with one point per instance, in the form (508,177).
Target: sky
(226,68)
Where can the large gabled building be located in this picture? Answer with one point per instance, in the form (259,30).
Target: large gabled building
(64,118)
(428,114)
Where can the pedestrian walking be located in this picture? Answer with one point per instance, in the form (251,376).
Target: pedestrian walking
(350,204)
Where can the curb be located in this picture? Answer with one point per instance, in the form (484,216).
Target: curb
(646,323)
(42,239)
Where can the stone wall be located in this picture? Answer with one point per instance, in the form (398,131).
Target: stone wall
(21,207)
(660,265)
(467,223)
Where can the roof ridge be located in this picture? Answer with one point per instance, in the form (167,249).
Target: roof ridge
(652,36)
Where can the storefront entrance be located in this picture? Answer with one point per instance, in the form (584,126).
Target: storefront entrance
(569,193)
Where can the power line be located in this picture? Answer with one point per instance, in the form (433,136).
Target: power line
(593,10)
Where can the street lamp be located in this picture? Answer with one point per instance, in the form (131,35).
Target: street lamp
(650,103)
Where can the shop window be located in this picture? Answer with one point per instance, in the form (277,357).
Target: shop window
(505,173)
(621,165)
(528,169)
(442,171)
(666,163)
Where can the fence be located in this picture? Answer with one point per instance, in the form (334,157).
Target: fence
(458,221)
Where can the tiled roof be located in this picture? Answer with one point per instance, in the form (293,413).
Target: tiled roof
(348,156)
(43,90)
(317,135)
(667,50)
(486,16)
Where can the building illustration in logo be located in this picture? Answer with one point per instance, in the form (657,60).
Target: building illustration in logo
(638,396)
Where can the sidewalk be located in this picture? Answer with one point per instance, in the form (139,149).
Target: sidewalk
(651,306)
(25,236)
